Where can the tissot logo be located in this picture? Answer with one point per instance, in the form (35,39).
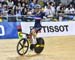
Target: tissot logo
(56,28)
(60,28)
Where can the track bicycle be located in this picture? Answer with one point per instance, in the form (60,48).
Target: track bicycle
(24,44)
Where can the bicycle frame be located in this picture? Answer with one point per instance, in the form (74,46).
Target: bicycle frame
(29,37)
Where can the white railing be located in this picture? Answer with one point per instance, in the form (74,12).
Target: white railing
(29,18)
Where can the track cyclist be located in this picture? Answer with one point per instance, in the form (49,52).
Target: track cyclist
(38,15)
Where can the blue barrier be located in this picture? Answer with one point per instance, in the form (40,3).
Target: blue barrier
(8,30)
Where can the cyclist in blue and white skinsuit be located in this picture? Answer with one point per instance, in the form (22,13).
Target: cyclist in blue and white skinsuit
(38,15)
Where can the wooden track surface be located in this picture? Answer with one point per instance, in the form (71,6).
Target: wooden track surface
(56,48)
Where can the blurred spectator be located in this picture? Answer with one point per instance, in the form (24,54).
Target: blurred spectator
(24,2)
(59,6)
(32,4)
(2,0)
(70,9)
(1,9)
(23,5)
(11,12)
(5,2)
(10,3)
(17,11)
(32,7)
(61,13)
(45,2)
(5,11)
(24,11)
(61,10)
(5,7)
(73,3)
(53,7)
(19,7)
(17,1)
(11,17)
(1,12)
(50,10)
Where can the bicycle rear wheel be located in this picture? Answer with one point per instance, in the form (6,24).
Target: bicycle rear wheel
(22,46)
(39,46)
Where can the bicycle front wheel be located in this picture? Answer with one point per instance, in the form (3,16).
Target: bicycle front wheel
(22,46)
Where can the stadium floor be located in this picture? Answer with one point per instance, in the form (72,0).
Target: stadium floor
(56,48)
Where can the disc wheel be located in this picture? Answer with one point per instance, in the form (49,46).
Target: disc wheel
(22,46)
(39,46)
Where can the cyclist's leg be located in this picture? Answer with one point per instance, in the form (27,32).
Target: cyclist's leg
(33,32)
(34,35)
